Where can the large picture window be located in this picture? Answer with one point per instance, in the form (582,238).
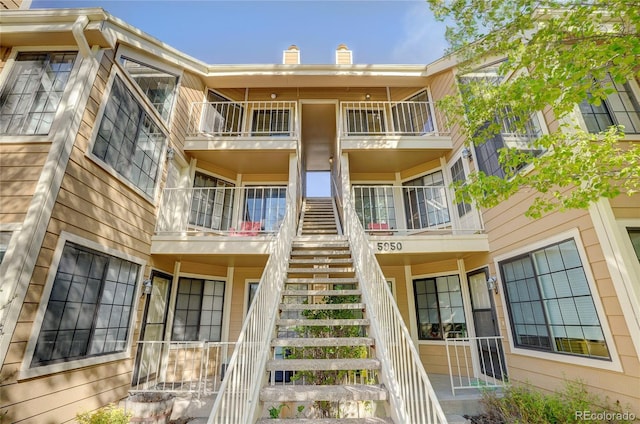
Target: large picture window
(129,140)
(550,303)
(212,202)
(425,201)
(198,314)
(89,309)
(439,308)
(30,99)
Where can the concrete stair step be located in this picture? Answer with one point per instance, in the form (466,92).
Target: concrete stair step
(321,280)
(320,306)
(323,364)
(324,252)
(321,292)
(334,231)
(301,322)
(315,243)
(367,420)
(324,270)
(314,261)
(307,393)
(321,342)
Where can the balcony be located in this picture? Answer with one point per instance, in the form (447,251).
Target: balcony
(414,220)
(195,220)
(414,131)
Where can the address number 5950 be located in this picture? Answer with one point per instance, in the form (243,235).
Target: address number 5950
(389,246)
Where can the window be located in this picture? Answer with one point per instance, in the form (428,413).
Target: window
(619,108)
(33,92)
(212,202)
(425,201)
(128,140)
(458,176)
(157,85)
(90,307)
(634,234)
(374,205)
(272,122)
(253,288)
(265,205)
(221,116)
(439,308)
(550,304)
(5,237)
(365,121)
(198,314)
(413,116)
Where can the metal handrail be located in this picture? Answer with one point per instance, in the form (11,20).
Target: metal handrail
(243,119)
(409,118)
(229,211)
(238,399)
(413,399)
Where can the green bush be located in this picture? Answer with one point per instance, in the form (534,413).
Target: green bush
(107,415)
(523,404)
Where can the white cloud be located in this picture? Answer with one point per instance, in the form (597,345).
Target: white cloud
(423,37)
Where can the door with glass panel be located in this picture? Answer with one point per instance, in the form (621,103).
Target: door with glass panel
(150,350)
(265,205)
(374,206)
(211,203)
(490,356)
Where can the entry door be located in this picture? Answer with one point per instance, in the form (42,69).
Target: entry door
(149,355)
(490,354)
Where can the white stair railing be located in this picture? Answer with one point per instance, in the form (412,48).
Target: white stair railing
(238,398)
(413,399)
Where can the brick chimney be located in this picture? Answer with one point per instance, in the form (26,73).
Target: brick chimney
(344,56)
(291,56)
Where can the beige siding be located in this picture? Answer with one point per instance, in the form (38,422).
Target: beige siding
(94,205)
(20,168)
(626,207)
(509,230)
(238,302)
(191,90)
(10,4)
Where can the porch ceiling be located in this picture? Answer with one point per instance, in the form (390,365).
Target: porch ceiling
(233,260)
(388,160)
(246,161)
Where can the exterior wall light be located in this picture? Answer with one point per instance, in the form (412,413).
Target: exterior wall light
(273,95)
(170,153)
(146,286)
(492,284)
(466,153)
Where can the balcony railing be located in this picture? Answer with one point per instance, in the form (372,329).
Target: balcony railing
(392,118)
(388,209)
(243,119)
(180,367)
(226,211)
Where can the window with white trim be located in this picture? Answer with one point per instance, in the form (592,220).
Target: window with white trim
(198,313)
(458,176)
(634,235)
(129,140)
(425,201)
(34,89)
(5,238)
(619,108)
(439,308)
(159,86)
(550,303)
(89,309)
(271,122)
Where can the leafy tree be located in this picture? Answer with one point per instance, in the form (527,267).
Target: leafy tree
(555,54)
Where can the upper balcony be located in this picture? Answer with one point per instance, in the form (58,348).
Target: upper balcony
(219,220)
(414,131)
(410,221)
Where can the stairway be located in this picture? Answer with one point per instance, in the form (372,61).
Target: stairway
(324,368)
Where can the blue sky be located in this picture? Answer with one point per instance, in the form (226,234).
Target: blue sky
(242,32)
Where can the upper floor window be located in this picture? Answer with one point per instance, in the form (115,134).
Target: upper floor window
(619,108)
(634,235)
(32,94)
(221,116)
(211,203)
(271,122)
(375,206)
(129,140)
(366,121)
(413,116)
(90,306)
(159,86)
(550,303)
(458,176)
(5,237)
(425,201)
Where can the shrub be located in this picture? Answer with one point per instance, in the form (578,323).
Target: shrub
(523,404)
(107,415)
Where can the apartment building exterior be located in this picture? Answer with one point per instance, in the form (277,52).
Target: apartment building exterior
(142,192)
